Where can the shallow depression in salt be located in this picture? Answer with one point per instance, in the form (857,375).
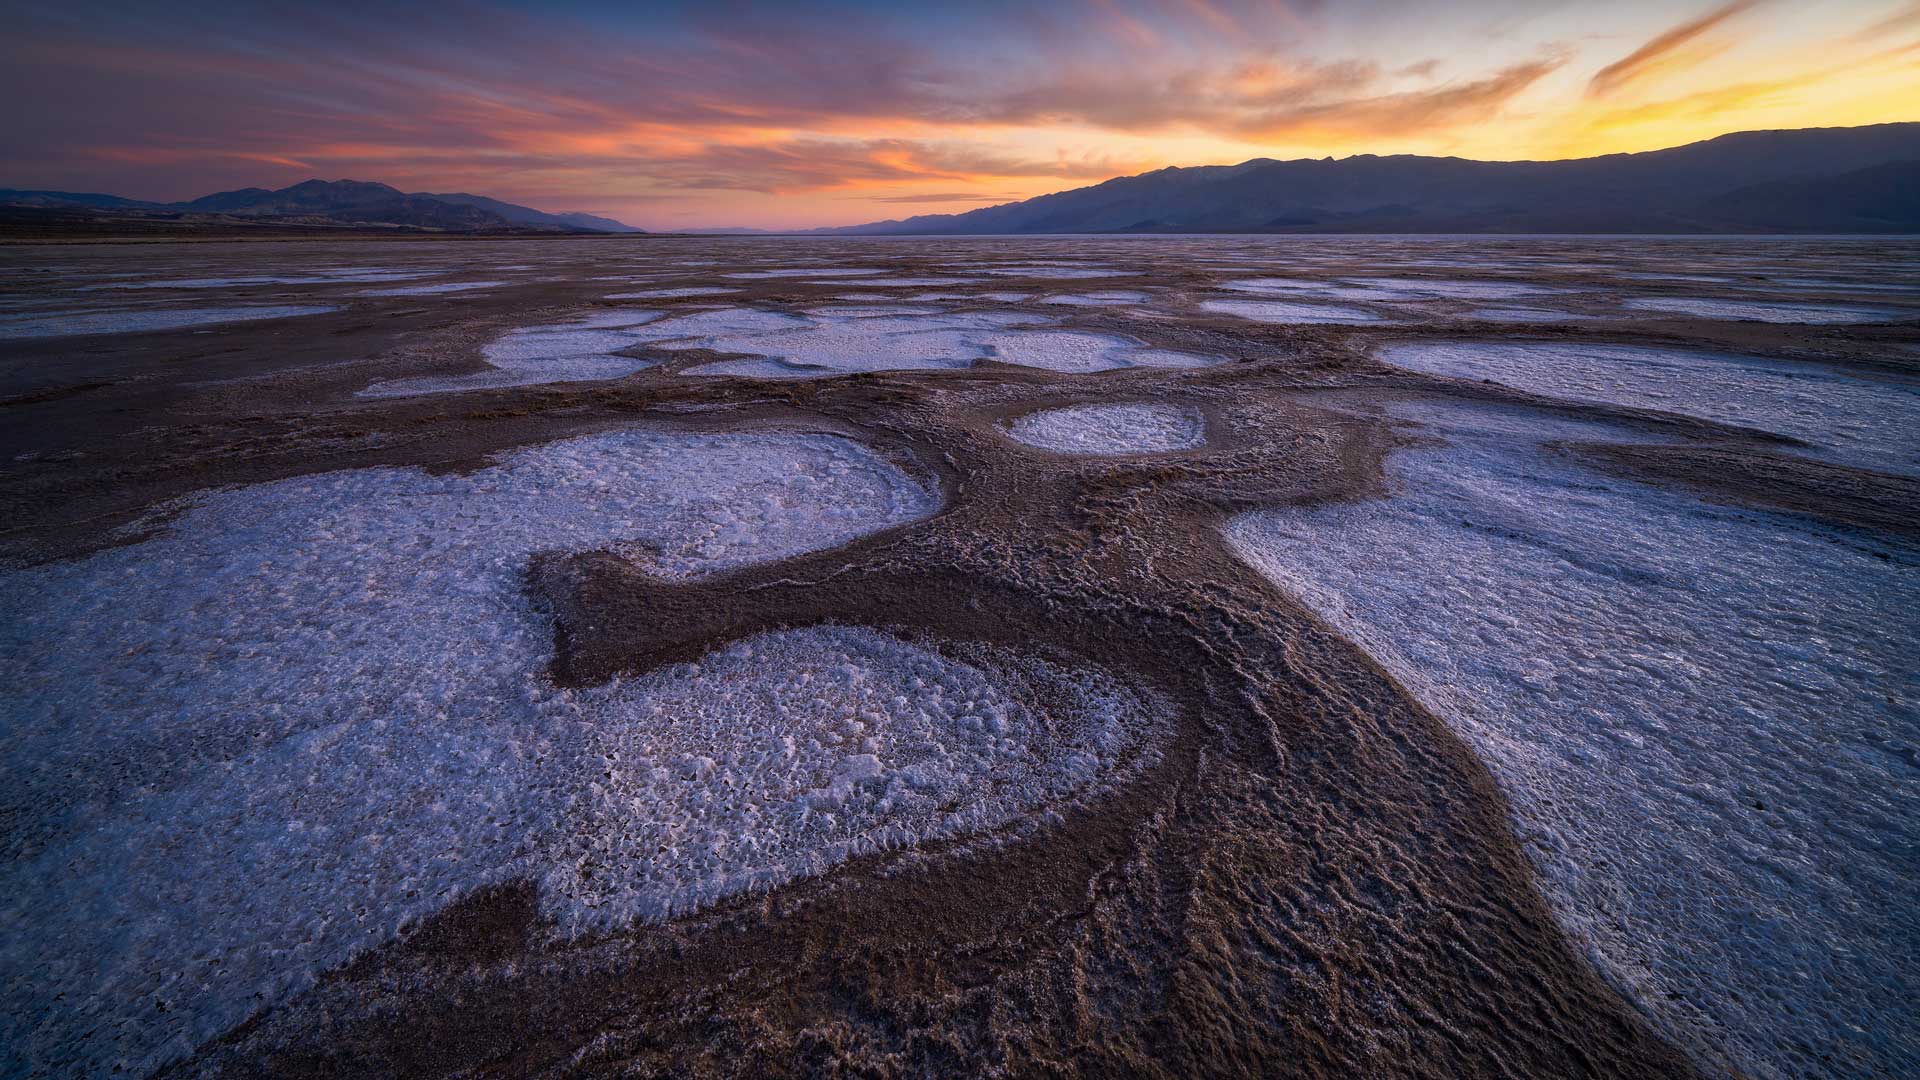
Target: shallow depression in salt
(1111,429)
(1847,417)
(308,712)
(581,350)
(1703,718)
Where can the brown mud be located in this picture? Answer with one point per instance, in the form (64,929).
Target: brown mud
(1316,878)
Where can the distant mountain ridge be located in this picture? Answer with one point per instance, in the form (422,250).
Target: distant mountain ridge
(321,203)
(1862,179)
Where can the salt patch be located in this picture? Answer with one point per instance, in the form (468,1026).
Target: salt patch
(834,272)
(580,351)
(75,323)
(819,343)
(1281,311)
(808,747)
(1098,299)
(1851,419)
(1702,717)
(433,290)
(1111,429)
(310,712)
(669,294)
(1768,310)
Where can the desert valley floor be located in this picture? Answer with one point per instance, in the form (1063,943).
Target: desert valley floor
(1165,656)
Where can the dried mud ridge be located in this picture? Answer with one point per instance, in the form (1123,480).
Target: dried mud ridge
(1316,878)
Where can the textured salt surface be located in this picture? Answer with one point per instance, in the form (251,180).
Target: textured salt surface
(787,753)
(1111,429)
(916,281)
(1390,289)
(1098,299)
(1768,310)
(1457,290)
(578,351)
(1281,311)
(668,294)
(1536,315)
(1704,719)
(1849,419)
(354,275)
(75,323)
(308,712)
(433,290)
(823,343)
(757,275)
(1060,272)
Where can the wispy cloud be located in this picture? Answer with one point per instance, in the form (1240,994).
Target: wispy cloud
(1662,51)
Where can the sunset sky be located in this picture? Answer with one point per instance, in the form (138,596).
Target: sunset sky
(779,115)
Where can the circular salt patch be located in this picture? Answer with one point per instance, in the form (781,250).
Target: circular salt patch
(1112,429)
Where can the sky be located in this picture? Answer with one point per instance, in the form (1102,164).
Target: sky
(675,116)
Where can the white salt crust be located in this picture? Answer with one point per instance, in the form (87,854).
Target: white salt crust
(834,341)
(308,712)
(1111,429)
(580,350)
(671,294)
(76,323)
(1704,719)
(433,290)
(1283,311)
(1849,419)
(340,276)
(1107,298)
(1768,310)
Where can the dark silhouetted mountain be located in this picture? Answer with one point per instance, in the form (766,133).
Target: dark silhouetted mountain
(1756,181)
(314,203)
(521,215)
(1880,198)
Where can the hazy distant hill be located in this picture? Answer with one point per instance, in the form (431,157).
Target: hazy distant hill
(314,203)
(1820,179)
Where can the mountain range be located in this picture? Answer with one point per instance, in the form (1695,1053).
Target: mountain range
(1861,179)
(309,205)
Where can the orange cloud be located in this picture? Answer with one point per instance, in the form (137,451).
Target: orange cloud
(1673,48)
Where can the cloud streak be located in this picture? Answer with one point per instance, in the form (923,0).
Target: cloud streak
(1664,51)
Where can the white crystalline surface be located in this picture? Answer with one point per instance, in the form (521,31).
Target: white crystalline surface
(757,275)
(1060,272)
(433,290)
(1527,315)
(1323,290)
(1704,719)
(899,281)
(579,351)
(1768,310)
(1457,290)
(1283,311)
(1109,297)
(670,294)
(311,711)
(786,753)
(1112,429)
(828,342)
(76,323)
(343,275)
(1388,288)
(1853,420)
